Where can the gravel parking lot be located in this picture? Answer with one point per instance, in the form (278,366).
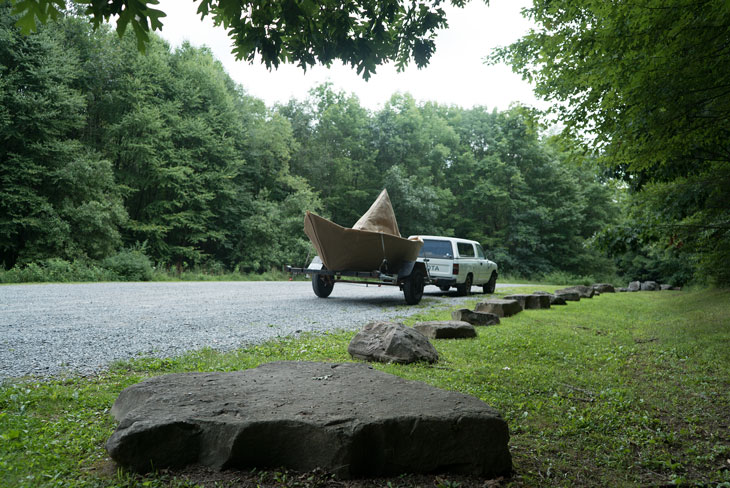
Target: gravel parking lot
(51,329)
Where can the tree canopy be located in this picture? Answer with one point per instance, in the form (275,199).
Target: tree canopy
(361,33)
(647,84)
(648,80)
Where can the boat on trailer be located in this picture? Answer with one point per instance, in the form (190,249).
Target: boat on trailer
(372,249)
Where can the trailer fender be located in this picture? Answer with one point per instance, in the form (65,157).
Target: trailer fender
(407,268)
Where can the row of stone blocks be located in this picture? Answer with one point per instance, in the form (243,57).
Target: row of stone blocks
(395,343)
(347,419)
(491,310)
(488,312)
(648,286)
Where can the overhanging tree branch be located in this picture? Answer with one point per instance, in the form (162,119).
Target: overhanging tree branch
(361,33)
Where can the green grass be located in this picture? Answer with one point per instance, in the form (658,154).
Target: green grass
(627,389)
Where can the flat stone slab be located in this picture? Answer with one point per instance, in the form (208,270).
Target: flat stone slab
(571,296)
(347,419)
(446,329)
(649,286)
(391,342)
(554,299)
(582,290)
(532,301)
(475,318)
(499,307)
(604,288)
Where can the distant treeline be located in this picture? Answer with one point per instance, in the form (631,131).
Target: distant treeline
(106,151)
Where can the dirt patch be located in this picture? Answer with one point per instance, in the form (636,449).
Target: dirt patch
(207,477)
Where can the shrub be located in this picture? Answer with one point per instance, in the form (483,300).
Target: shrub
(55,270)
(565,278)
(129,265)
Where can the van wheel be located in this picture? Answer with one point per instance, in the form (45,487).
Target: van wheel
(413,287)
(464,290)
(322,285)
(490,285)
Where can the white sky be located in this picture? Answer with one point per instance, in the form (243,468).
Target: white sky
(456,74)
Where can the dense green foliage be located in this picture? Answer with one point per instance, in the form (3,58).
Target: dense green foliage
(362,33)
(108,151)
(103,147)
(58,196)
(647,82)
(625,389)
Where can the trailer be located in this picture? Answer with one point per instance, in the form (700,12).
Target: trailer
(411,277)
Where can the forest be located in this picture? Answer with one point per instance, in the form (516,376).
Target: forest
(110,157)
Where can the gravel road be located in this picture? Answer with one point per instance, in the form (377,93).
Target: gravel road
(46,330)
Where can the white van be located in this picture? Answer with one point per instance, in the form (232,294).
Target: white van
(460,263)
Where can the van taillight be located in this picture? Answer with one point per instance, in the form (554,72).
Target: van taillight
(456,269)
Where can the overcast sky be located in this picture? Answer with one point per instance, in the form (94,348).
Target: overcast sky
(456,75)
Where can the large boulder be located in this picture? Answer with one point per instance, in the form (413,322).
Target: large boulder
(665,287)
(499,307)
(390,342)
(649,286)
(582,290)
(604,288)
(347,419)
(446,329)
(531,302)
(622,289)
(635,286)
(475,318)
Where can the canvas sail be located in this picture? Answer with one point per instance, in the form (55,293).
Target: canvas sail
(379,217)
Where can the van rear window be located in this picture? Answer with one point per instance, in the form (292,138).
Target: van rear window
(436,249)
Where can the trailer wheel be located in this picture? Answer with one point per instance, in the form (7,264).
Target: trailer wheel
(413,286)
(322,285)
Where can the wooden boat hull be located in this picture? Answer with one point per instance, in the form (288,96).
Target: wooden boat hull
(341,248)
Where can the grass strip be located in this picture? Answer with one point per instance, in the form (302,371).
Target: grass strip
(628,389)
